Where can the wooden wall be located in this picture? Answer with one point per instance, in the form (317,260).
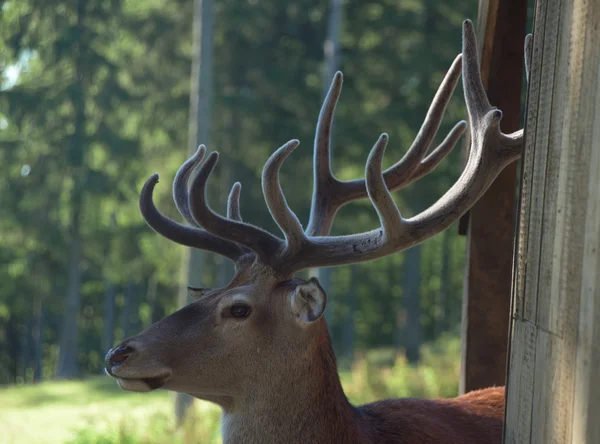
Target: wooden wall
(553,392)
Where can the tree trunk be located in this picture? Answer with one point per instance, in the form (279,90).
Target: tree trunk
(199,126)
(332,44)
(442,322)
(109,314)
(109,295)
(128,316)
(156,313)
(348,331)
(27,344)
(412,282)
(331,55)
(38,334)
(12,339)
(67,360)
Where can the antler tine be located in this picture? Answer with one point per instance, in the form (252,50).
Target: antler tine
(330,194)
(180,184)
(233,203)
(483,117)
(478,105)
(389,215)
(320,214)
(264,244)
(179,233)
(275,199)
(528,54)
(516,137)
(490,152)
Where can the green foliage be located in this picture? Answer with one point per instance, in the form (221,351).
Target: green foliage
(101,101)
(158,428)
(374,377)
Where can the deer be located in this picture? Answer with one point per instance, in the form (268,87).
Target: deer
(259,347)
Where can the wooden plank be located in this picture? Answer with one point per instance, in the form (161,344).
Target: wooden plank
(539,199)
(520,380)
(557,283)
(519,409)
(544,413)
(521,307)
(586,393)
(486,300)
(586,409)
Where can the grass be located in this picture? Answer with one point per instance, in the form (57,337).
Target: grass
(96,411)
(53,412)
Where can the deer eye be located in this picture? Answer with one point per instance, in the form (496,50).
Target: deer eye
(239,311)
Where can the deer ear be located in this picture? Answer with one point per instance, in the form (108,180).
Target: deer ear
(308,301)
(197,292)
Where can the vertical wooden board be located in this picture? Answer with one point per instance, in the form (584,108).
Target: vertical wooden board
(520,383)
(552,398)
(543,107)
(568,172)
(544,412)
(586,398)
(554,375)
(550,316)
(521,306)
(586,405)
(520,379)
(565,406)
(549,144)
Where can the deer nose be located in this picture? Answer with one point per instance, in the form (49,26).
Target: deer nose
(118,355)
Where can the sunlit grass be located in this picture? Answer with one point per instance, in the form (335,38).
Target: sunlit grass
(96,411)
(50,412)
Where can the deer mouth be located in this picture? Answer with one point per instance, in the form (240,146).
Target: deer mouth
(142,384)
(135,383)
(139,384)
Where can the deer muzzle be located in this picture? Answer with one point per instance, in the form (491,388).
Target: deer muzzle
(133,372)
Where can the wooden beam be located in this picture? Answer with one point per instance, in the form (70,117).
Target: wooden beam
(486,300)
(553,389)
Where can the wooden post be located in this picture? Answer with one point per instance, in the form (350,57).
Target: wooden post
(553,390)
(491,222)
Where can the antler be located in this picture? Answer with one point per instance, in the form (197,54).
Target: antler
(190,236)
(330,194)
(490,152)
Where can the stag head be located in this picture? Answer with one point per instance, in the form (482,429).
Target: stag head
(258,337)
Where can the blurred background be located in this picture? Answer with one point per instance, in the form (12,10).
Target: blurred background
(96,95)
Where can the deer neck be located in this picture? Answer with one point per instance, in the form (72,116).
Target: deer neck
(308,405)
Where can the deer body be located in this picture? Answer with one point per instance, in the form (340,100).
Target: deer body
(259,347)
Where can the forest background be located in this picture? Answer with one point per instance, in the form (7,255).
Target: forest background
(95,97)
